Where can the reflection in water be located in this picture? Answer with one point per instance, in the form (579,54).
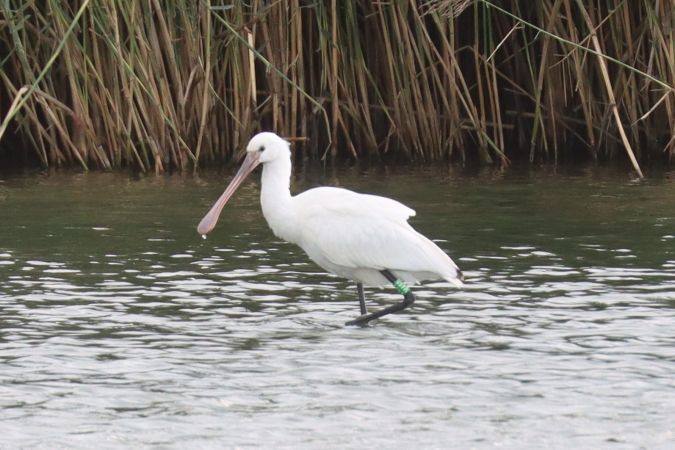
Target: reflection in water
(119,324)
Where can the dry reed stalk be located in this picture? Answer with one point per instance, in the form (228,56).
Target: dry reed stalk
(160,86)
(610,91)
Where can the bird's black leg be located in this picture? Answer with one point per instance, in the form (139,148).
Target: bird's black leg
(408,299)
(362,298)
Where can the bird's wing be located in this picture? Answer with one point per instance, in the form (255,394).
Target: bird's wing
(365,231)
(320,201)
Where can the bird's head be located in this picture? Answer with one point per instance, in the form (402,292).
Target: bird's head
(263,148)
(266,147)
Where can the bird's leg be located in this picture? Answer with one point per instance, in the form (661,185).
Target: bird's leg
(362,298)
(408,299)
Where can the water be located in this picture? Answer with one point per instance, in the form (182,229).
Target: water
(121,328)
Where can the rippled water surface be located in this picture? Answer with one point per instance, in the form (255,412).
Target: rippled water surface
(121,328)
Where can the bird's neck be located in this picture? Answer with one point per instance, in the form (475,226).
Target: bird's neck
(275,198)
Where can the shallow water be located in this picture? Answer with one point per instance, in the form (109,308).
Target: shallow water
(121,328)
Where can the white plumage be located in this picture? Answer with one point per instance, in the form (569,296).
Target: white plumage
(356,236)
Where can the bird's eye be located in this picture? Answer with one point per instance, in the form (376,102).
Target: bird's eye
(261,149)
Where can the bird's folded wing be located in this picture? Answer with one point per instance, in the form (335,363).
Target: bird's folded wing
(319,202)
(365,231)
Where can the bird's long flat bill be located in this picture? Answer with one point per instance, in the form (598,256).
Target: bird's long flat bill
(211,218)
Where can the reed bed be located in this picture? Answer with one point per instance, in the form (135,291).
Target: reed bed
(175,85)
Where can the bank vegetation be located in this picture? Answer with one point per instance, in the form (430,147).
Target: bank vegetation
(162,86)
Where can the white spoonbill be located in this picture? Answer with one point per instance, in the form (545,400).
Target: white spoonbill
(361,237)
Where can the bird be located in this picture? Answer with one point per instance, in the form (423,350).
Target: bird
(361,237)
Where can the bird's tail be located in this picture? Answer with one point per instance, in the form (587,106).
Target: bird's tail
(458,279)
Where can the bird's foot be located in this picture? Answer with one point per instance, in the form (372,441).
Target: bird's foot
(361,321)
(364,319)
(408,299)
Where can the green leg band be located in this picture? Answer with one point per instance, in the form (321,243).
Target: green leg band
(401,287)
